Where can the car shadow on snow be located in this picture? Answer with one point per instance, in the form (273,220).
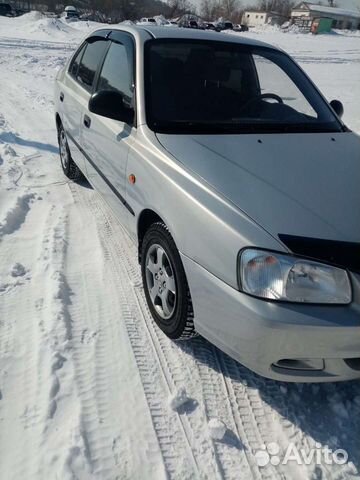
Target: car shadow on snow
(9,137)
(327,413)
(82,182)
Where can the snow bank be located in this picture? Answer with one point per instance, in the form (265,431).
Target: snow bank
(49,26)
(37,26)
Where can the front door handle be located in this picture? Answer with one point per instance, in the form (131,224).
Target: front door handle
(62,97)
(87,121)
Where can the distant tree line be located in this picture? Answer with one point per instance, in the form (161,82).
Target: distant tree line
(134,9)
(115,9)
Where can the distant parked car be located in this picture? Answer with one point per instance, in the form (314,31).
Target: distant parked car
(224,26)
(71,13)
(210,26)
(238,183)
(192,23)
(167,23)
(146,20)
(228,26)
(241,28)
(6,10)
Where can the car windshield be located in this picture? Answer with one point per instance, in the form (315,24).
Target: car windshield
(197,86)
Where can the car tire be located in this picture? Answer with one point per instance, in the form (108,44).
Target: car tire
(69,167)
(168,296)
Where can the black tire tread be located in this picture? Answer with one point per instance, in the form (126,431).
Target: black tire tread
(188,331)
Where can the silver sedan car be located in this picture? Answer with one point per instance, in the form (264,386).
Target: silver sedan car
(237,181)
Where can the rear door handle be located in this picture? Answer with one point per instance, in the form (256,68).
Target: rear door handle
(87,121)
(62,97)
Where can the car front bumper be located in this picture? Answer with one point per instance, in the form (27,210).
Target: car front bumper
(282,341)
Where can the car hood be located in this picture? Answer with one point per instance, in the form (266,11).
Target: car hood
(295,184)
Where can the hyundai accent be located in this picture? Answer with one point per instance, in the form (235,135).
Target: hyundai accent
(239,184)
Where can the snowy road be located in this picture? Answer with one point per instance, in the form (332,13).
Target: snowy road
(85,376)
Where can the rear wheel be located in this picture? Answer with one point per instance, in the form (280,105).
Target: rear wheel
(166,288)
(68,165)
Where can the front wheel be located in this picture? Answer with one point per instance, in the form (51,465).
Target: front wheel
(166,288)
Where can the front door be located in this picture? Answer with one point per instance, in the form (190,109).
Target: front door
(106,142)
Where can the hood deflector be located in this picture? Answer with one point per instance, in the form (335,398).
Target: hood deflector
(342,254)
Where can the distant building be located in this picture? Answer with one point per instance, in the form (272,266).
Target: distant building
(253,18)
(341,18)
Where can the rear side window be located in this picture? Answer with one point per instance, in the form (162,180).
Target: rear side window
(74,67)
(90,62)
(117,72)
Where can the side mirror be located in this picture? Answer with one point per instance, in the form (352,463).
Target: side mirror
(110,104)
(338,107)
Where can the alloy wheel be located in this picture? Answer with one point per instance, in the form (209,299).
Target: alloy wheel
(160,281)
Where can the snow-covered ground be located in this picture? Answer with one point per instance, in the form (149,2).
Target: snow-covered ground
(89,388)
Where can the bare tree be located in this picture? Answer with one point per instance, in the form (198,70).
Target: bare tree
(229,7)
(210,9)
(179,7)
(214,9)
(280,6)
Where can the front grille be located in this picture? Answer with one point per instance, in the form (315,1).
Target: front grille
(343,254)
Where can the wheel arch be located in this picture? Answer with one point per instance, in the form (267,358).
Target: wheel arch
(146,218)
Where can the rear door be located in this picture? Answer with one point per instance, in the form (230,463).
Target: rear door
(76,90)
(106,141)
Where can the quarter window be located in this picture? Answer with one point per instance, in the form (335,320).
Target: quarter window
(74,67)
(117,72)
(90,62)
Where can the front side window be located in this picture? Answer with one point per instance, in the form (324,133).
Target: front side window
(90,62)
(197,86)
(117,72)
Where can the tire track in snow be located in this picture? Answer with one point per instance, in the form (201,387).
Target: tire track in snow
(98,364)
(171,433)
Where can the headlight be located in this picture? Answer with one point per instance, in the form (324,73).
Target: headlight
(281,277)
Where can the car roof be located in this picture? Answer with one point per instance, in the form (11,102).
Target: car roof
(189,33)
